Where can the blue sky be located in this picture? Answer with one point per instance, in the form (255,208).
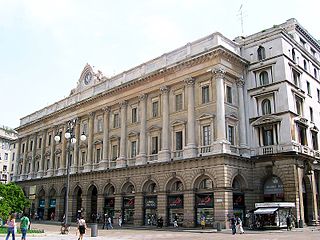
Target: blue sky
(45,44)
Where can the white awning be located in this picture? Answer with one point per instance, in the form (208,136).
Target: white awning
(265,210)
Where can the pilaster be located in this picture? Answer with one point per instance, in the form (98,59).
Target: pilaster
(122,160)
(105,153)
(142,156)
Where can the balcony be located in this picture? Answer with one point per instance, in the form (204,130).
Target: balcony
(205,150)
(178,154)
(153,157)
(131,161)
(271,149)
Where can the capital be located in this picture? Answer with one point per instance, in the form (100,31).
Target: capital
(91,114)
(143,97)
(189,81)
(219,72)
(240,82)
(106,109)
(164,89)
(123,103)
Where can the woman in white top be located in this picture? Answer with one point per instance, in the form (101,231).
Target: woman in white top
(82,226)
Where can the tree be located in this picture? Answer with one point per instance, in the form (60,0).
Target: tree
(12,199)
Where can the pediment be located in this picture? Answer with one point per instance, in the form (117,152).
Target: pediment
(266,120)
(232,116)
(178,122)
(98,141)
(57,151)
(47,153)
(205,116)
(302,121)
(133,133)
(154,128)
(114,137)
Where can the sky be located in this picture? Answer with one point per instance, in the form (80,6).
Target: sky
(45,44)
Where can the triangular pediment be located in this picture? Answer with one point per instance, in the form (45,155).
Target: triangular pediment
(232,116)
(114,137)
(133,133)
(154,128)
(266,120)
(98,141)
(205,116)
(178,122)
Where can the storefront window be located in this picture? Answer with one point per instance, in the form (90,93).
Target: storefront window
(175,208)
(204,208)
(273,190)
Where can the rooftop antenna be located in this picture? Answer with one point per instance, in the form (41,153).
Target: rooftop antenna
(240,14)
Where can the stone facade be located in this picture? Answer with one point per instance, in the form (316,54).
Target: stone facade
(208,129)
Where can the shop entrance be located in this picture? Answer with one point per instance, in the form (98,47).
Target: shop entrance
(204,208)
(150,210)
(128,210)
(175,209)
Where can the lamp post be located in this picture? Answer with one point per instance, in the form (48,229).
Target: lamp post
(70,137)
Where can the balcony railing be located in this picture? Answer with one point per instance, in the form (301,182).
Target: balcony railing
(131,161)
(205,149)
(178,154)
(153,157)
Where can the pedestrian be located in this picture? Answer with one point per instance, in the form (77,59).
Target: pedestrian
(175,221)
(109,223)
(120,220)
(82,226)
(11,227)
(289,223)
(203,222)
(233,225)
(24,225)
(105,221)
(239,225)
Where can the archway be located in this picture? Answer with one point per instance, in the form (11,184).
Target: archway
(175,201)
(273,190)
(62,203)
(52,204)
(109,200)
(150,203)
(77,200)
(307,200)
(93,206)
(128,202)
(238,197)
(41,205)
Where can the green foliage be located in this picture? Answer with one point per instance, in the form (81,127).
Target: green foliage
(12,200)
(4,230)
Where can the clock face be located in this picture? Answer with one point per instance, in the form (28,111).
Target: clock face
(87,78)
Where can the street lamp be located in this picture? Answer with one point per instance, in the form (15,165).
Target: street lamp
(70,136)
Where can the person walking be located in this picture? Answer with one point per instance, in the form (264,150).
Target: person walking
(109,225)
(82,226)
(233,225)
(24,225)
(289,223)
(239,225)
(105,221)
(120,220)
(203,222)
(175,221)
(11,227)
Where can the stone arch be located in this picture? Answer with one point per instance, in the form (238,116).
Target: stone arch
(77,200)
(107,190)
(200,177)
(41,192)
(241,180)
(273,188)
(307,199)
(92,202)
(149,186)
(127,187)
(175,180)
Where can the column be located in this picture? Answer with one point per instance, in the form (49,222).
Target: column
(43,151)
(17,161)
(122,160)
(138,209)
(142,156)
(314,207)
(106,122)
(188,209)
(33,156)
(221,144)
(300,217)
(52,155)
(242,117)
(25,160)
(190,150)
(75,160)
(164,154)
(89,162)
(63,165)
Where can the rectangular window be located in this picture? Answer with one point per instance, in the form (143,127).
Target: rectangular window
(179,140)
(133,149)
(205,94)
(98,155)
(4,168)
(12,167)
(179,102)
(31,145)
(299,106)
(308,88)
(302,135)
(314,140)
(302,42)
(206,135)
(318,94)
(6,156)
(267,132)
(313,52)
(49,140)
(116,122)
(231,134)
(229,94)
(100,127)
(155,109)
(114,152)
(85,128)
(154,145)
(83,157)
(134,115)
(13,156)
(40,142)
(311,114)
(296,78)
(23,145)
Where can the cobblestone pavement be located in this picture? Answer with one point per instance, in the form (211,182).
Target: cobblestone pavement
(52,233)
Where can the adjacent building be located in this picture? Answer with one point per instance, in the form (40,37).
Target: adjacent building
(7,154)
(209,129)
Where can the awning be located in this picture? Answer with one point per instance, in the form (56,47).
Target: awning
(265,210)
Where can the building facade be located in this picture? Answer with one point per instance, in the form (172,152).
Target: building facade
(208,129)
(7,153)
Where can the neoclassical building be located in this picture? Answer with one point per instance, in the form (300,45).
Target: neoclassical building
(211,128)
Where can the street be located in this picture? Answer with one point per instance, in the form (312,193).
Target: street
(52,233)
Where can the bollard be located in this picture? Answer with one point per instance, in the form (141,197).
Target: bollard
(300,223)
(94,229)
(218,226)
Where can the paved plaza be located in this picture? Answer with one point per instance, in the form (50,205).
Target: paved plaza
(52,233)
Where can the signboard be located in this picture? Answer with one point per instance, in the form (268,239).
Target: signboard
(150,202)
(32,197)
(109,203)
(41,203)
(52,203)
(204,200)
(238,200)
(273,186)
(175,201)
(128,202)
(32,190)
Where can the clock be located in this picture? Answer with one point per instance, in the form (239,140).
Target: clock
(87,78)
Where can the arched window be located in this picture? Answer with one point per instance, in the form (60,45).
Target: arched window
(261,53)
(177,186)
(264,78)
(315,73)
(206,184)
(266,106)
(305,65)
(293,55)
